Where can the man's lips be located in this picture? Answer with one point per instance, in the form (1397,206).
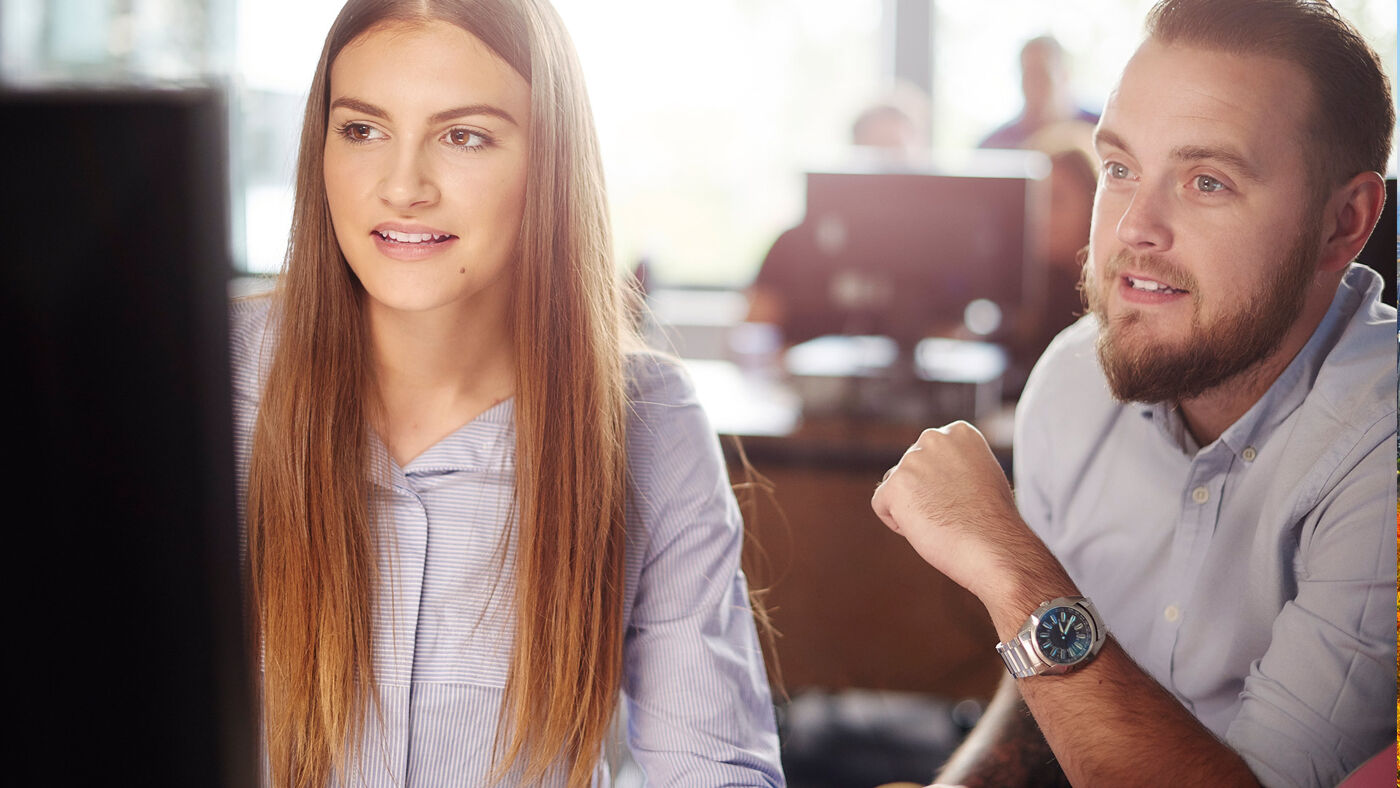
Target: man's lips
(1144,290)
(1147,284)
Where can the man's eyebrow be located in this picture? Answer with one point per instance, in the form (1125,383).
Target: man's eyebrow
(1191,153)
(1104,136)
(1226,155)
(358,105)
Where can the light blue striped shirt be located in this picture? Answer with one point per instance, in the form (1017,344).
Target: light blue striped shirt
(698,703)
(1252,577)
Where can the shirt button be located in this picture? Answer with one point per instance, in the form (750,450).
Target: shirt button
(1172,613)
(1249,454)
(1200,495)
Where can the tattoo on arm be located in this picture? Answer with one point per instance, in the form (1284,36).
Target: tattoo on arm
(1021,758)
(1005,750)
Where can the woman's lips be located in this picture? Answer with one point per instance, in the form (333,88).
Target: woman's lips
(411,246)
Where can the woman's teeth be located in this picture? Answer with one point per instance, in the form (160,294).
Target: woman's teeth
(411,238)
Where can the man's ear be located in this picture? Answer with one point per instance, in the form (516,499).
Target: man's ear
(1351,214)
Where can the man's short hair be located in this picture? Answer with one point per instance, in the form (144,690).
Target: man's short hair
(1352,116)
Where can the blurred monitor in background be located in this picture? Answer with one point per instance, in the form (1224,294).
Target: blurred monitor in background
(910,255)
(124,567)
(889,134)
(1074,177)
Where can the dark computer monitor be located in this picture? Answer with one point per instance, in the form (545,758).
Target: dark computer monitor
(122,539)
(903,254)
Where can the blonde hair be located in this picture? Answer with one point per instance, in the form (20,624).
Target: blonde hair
(310,527)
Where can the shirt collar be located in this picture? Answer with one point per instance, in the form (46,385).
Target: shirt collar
(484,443)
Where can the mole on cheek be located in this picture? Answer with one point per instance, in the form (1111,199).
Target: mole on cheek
(461,270)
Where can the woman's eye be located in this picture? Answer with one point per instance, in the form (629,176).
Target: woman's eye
(466,138)
(359,132)
(1206,183)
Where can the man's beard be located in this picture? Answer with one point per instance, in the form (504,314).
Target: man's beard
(1227,348)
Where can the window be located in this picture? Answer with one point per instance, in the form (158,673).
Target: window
(708,113)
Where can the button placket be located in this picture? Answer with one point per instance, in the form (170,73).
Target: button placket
(1195,528)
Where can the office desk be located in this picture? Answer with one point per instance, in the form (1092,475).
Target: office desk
(854,605)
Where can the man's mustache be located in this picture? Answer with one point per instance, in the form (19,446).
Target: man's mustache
(1148,265)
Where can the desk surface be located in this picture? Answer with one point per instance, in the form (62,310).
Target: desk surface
(855,606)
(765,411)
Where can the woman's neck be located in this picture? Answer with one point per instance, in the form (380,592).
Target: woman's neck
(436,371)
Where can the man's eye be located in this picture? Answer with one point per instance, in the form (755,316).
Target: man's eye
(1206,183)
(1117,171)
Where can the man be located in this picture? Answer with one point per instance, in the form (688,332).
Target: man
(1048,100)
(1207,456)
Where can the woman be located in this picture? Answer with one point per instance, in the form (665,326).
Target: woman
(472,518)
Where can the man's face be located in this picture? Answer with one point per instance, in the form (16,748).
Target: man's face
(1205,236)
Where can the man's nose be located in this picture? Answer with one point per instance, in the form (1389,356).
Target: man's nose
(1144,225)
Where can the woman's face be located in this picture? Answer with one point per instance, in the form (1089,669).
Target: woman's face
(425,162)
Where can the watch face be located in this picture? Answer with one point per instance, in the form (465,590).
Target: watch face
(1064,635)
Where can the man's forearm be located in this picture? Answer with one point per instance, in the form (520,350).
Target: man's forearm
(1112,724)
(1109,722)
(1005,749)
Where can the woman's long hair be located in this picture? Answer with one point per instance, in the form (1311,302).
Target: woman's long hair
(311,530)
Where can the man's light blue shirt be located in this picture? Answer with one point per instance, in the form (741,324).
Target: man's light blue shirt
(1252,577)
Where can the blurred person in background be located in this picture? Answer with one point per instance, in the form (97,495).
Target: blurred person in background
(792,288)
(1208,455)
(1072,182)
(1046,91)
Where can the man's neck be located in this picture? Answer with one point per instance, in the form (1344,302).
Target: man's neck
(1208,415)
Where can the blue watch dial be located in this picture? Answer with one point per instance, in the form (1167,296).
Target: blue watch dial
(1064,635)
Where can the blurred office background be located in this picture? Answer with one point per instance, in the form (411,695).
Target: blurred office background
(714,118)
(708,112)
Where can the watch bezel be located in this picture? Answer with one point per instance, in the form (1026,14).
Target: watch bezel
(1033,626)
(1023,655)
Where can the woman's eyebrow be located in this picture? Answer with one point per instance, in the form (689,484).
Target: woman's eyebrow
(472,109)
(359,105)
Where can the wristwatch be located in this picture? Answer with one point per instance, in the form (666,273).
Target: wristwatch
(1061,635)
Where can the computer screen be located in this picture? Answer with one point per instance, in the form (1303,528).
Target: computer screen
(123,546)
(903,254)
